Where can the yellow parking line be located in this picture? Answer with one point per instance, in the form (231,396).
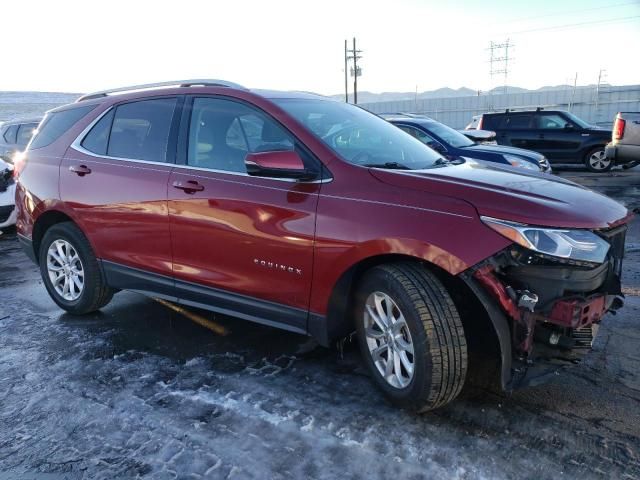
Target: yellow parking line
(194,317)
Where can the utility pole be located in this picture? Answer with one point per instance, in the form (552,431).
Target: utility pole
(356,71)
(573,92)
(601,79)
(346,73)
(499,60)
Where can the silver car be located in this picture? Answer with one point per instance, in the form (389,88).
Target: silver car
(15,135)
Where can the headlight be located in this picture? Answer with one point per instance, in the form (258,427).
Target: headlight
(521,162)
(581,245)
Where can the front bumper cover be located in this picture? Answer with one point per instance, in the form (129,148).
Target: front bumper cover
(552,309)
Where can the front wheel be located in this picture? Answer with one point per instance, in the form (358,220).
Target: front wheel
(70,270)
(596,161)
(411,336)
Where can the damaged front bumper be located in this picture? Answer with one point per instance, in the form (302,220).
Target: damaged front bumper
(552,307)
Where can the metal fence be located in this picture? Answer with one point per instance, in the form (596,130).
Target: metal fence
(595,105)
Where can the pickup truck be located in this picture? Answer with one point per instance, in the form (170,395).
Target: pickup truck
(625,145)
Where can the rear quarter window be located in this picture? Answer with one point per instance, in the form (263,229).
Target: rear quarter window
(491,122)
(9,135)
(55,124)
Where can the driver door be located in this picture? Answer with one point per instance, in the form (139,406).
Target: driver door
(240,243)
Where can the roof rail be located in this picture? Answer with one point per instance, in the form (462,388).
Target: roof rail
(523,109)
(174,83)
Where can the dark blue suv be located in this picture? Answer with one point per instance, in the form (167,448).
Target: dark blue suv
(453,144)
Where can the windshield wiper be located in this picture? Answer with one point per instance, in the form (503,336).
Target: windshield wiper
(390,165)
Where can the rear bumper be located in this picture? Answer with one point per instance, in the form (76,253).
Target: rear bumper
(27,247)
(623,153)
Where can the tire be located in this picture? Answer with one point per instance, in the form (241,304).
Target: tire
(77,256)
(596,161)
(432,326)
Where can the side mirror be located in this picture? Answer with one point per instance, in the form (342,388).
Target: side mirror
(277,164)
(568,126)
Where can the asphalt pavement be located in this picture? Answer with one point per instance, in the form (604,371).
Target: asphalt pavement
(139,390)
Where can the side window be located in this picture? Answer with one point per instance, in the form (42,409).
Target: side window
(419,134)
(519,122)
(98,137)
(10,134)
(25,132)
(140,130)
(552,121)
(491,122)
(222,132)
(55,124)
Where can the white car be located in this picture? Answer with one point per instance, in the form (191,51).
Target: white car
(7,196)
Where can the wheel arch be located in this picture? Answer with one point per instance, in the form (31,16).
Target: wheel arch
(43,223)
(486,328)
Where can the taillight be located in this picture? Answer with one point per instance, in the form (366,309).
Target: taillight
(479,127)
(618,129)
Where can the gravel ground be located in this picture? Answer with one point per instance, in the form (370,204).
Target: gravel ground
(140,391)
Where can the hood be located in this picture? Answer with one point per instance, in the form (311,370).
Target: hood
(515,195)
(504,150)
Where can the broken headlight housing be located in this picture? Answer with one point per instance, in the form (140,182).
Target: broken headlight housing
(563,243)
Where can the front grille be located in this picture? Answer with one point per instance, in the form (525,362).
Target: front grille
(5,212)
(583,337)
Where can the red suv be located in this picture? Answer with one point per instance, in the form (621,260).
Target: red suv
(315,216)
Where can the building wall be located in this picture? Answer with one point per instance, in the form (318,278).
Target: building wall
(598,107)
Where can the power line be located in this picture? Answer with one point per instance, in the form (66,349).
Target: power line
(567,12)
(572,25)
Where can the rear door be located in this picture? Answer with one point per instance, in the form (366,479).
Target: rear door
(243,244)
(518,130)
(115,179)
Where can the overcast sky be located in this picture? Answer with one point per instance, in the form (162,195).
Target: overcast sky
(79,46)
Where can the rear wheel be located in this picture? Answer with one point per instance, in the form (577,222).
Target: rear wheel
(596,161)
(70,270)
(411,336)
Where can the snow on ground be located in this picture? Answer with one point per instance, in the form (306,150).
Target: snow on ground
(139,391)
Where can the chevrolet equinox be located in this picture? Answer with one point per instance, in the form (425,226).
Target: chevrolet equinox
(315,216)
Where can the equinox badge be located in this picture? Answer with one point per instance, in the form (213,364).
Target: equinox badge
(277,266)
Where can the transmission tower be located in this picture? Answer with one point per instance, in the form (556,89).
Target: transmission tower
(499,60)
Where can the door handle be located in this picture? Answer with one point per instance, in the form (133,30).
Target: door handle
(81,170)
(541,136)
(190,186)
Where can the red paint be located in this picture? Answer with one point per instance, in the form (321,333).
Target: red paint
(497,289)
(132,214)
(578,313)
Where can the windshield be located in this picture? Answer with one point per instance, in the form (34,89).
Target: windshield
(577,120)
(359,137)
(448,135)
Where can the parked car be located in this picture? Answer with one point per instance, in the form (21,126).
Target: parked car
(14,137)
(625,146)
(558,135)
(453,144)
(473,124)
(308,214)
(7,196)
(482,137)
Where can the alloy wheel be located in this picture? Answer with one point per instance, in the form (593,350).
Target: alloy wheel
(598,160)
(65,270)
(389,340)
